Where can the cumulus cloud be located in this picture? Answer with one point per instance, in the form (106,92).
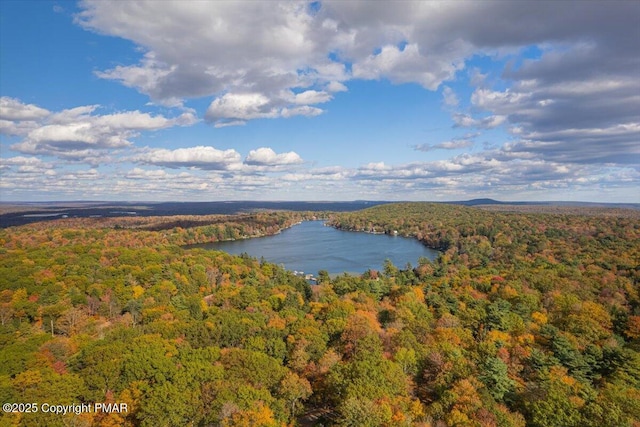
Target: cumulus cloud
(304,110)
(41,180)
(335,174)
(78,133)
(211,48)
(578,102)
(336,87)
(251,57)
(200,157)
(236,108)
(22,164)
(17,118)
(267,157)
(572,110)
(263,159)
(239,107)
(583,122)
(12,109)
(312,97)
(468,173)
(253,54)
(495,173)
(145,174)
(408,64)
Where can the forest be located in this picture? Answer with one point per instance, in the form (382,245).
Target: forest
(525,319)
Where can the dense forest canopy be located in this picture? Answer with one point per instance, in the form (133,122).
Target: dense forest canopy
(525,319)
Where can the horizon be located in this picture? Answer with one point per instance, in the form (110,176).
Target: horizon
(474,199)
(363,201)
(21,213)
(319,102)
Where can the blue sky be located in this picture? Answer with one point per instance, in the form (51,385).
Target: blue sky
(144,100)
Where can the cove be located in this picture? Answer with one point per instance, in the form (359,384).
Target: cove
(311,246)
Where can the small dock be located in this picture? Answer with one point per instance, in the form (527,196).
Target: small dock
(308,277)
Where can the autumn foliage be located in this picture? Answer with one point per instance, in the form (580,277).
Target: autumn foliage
(525,319)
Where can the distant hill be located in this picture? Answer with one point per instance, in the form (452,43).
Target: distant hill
(474,202)
(486,201)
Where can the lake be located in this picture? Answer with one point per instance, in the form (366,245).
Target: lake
(311,246)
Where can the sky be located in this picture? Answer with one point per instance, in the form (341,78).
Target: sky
(322,101)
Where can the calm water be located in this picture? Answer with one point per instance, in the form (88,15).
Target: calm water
(311,247)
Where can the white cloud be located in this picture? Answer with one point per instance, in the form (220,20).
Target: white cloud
(267,157)
(234,109)
(304,110)
(87,174)
(78,133)
(145,174)
(470,173)
(23,164)
(408,65)
(230,123)
(491,173)
(17,118)
(336,87)
(212,46)
(454,144)
(240,107)
(251,57)
(489,122)
(335,174)
(270,48)
(592,121)
(572,110)
(8,127)
(12,109)
(312,97)
(200,157)
(209,48)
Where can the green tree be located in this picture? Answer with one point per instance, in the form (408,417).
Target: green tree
(493,373)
